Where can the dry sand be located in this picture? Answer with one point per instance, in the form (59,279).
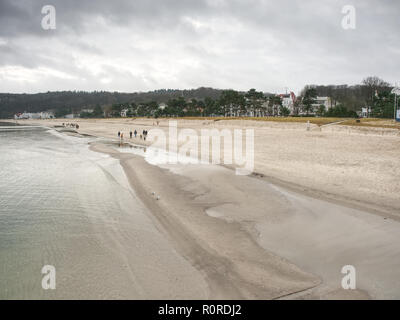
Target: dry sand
(333,201)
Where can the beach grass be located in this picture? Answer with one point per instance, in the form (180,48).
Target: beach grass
(373,122)
(314,120)
(367,122)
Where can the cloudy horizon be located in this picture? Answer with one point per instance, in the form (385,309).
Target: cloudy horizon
(140,45)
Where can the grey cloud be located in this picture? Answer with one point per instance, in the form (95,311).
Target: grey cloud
(237,43)
(23,16)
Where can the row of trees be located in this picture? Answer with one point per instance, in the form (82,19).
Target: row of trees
(230,103)
(373,93)
(66,102)
(309,101)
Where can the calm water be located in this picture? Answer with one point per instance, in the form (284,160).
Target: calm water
(59,203)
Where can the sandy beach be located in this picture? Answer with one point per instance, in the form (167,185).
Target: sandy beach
(319,199)
(355,165)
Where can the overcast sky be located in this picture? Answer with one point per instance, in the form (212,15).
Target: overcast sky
(141,45)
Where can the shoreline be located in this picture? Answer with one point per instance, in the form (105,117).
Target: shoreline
(250,231)
(353,165)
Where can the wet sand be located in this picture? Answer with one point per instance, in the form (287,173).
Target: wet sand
(251,238)
(234,265)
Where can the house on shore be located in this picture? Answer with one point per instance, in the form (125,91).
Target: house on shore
(324,101)
(34,115)
(288,100)
(124,113)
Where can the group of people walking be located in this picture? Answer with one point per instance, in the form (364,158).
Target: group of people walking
(72,125)
(135,133)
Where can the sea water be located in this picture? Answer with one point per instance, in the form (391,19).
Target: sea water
(66,206)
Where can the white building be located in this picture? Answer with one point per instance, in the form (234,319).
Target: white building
(34,115)
(288,100)
(124,113)
(87,110)
(365,112)
(46,115)
(325,101)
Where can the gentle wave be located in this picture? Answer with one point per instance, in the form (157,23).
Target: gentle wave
(6,128)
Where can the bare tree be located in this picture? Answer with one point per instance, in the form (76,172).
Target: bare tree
(373,84)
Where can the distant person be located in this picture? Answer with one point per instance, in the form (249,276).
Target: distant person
(119,134)
(135,133)
(122,136)
(130,134)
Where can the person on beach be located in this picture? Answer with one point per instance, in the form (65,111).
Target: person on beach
(119,134)
(122,136)
(135,133)
(130,134)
